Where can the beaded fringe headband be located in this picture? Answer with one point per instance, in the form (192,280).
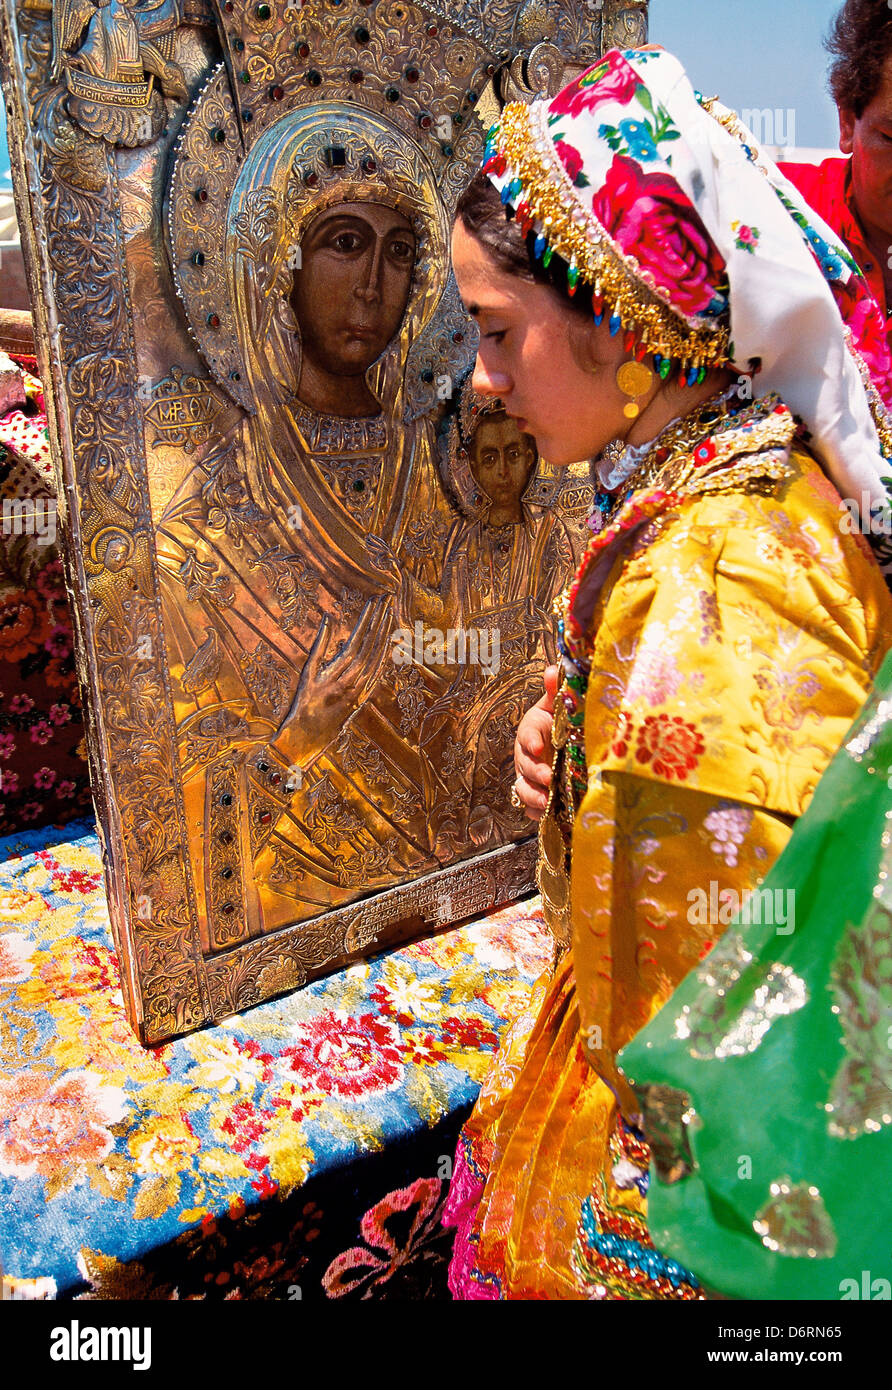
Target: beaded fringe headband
(521,160)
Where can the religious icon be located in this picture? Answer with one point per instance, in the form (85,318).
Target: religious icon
(306,620)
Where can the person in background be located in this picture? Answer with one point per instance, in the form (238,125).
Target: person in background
(854,196)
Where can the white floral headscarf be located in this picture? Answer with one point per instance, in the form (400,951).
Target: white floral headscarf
(698,254)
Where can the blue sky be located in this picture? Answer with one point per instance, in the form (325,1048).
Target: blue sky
(751,53)
(756,53)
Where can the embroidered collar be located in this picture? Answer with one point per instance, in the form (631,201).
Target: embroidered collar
(721,446)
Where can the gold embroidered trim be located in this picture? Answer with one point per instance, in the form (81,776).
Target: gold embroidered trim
(585,245)
(762,449)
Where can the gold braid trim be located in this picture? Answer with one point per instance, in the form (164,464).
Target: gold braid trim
(752,451)
(587,247)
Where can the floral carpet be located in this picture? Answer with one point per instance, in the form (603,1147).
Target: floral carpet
(300,1150)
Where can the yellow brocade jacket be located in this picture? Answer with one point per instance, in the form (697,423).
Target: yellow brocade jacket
(721,635)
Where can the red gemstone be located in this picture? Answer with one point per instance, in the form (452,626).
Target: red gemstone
(641,352)
(629,341)
(265,817)
(277,93)
(597,303)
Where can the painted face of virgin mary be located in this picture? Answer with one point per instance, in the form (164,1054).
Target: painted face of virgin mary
(351,290)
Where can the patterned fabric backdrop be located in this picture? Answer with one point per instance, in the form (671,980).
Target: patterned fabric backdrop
(299,1150)
(43,770)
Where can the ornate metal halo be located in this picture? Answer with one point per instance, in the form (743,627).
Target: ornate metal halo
(341,77)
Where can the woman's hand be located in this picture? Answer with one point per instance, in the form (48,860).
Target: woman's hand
(533,750)
(329,692)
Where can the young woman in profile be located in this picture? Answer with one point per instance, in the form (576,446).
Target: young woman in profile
(660,301)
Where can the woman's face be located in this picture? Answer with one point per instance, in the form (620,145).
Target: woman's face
(351,290)
(554,370)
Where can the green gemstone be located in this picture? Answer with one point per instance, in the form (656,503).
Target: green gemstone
(546,259)
(665,368)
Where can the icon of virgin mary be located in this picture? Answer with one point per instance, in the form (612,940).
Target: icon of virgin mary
(299,736)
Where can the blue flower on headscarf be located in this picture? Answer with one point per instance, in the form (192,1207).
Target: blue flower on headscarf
(640,140)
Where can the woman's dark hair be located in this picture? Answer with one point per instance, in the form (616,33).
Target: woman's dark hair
(861,40)
(482,213)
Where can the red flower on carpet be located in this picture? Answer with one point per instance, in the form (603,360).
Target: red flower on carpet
(422,1049)
(346,1057)
(419,1205)
(58,643)
(673,746)
(651,217)
(381,997)
(245,1125)
(24,626)
(76,881)
(60,673)
(613,79)
(469,1032)
(46,1125)
(51,581)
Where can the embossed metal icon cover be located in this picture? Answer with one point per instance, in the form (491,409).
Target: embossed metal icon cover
(313,575)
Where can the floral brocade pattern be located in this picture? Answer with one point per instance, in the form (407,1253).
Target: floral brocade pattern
(306,1142)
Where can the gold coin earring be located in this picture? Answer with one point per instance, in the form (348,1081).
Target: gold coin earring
(634,379)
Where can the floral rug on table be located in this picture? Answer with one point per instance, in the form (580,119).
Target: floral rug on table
(299,1150)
